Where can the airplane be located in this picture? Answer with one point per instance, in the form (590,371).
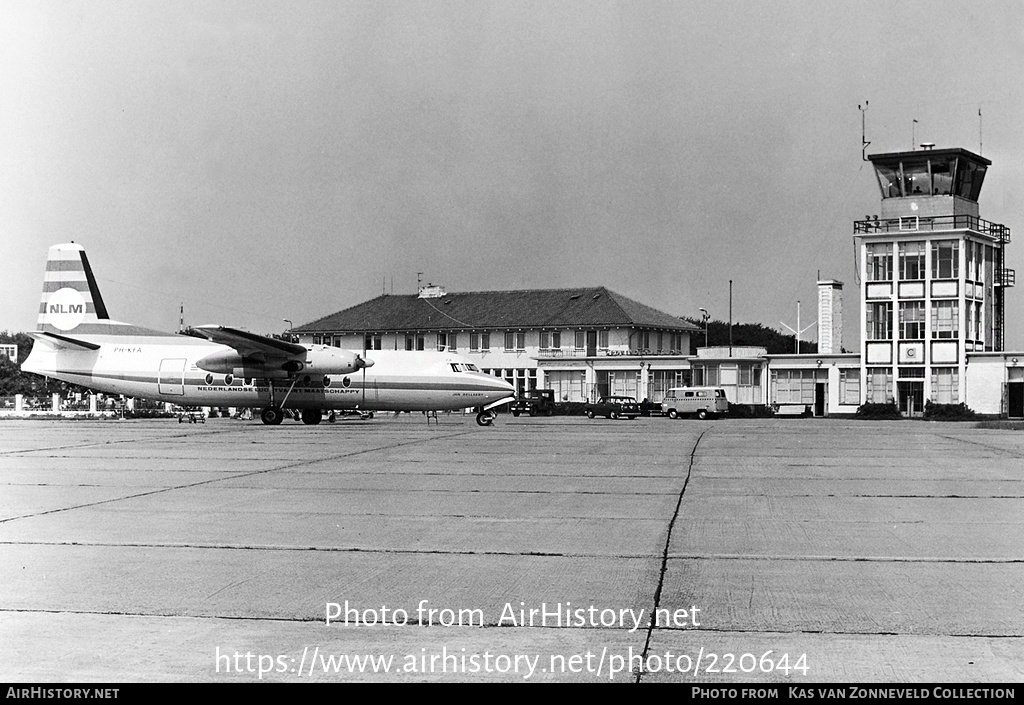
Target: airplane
(215,365)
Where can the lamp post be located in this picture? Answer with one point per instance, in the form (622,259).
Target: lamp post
(705,317)
(289,331)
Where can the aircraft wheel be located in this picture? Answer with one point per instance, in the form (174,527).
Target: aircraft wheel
(484,418)
(272,415)
(311,417)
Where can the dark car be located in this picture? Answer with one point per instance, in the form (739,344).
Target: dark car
(613,408)
(535,401)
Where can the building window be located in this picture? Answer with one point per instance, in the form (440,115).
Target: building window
(794,386)
(945,319)
(515,341)
(711,375)
(485,342)
(945,259)
(878,387)
(945,383)
(550,340)
(849,387)
(879,261)
(581,340)
(912,261)
(372,342)
(474,342)
(912,320)
(447,342)
(602,340)
(879,321)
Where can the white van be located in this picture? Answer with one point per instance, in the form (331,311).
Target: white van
(702,402)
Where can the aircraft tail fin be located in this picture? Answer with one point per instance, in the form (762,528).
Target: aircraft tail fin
(71,298)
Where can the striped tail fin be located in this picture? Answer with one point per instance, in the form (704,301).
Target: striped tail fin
(71,297)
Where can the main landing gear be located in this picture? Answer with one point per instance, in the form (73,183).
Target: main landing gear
(485,418)
(311,417)
(272,415)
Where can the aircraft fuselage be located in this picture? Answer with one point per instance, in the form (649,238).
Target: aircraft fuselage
(165,368)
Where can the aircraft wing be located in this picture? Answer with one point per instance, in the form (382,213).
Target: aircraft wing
(250,344)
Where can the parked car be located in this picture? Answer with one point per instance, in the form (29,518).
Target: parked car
(613,408)
(702,402)
(534,402)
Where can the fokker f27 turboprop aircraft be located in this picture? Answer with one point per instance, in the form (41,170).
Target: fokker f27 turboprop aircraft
(77,342)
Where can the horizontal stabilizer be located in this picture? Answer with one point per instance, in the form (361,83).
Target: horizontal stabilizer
(63,341)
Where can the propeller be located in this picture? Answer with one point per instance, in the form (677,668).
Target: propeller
(364,363)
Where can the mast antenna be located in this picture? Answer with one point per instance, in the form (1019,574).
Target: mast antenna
(863,132)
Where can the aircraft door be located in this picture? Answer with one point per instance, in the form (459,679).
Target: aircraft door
(172,376)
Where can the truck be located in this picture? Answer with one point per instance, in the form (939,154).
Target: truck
(534,402)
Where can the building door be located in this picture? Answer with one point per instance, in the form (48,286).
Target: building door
(171,379)
(1015,400)
(820,398)
(911,398)
(591,343)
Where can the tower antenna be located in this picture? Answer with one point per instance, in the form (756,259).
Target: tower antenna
(980,143)
(798,331)
(863,134)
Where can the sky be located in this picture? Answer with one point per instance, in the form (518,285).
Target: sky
(259,162)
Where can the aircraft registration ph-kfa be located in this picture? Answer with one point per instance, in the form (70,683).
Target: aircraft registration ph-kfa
(77,342)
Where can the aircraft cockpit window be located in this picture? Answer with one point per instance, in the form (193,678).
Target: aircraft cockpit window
(455,366)
(472,368)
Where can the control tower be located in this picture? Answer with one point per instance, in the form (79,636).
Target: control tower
(932,278)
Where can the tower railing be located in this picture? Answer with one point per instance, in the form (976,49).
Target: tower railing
(940,222)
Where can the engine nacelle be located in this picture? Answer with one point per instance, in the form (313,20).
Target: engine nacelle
(327,360)
(225,362)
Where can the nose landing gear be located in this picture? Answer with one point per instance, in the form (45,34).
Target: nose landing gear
(485,418)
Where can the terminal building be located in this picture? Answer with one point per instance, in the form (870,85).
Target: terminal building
(583,343)
(931,284)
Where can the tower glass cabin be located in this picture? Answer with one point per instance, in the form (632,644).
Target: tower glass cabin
(932,278)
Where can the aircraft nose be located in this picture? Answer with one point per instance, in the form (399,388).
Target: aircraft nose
(503,387)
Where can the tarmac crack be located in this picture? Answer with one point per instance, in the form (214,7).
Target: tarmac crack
(996,449)
(665,556)
(495,625)
(334,549)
